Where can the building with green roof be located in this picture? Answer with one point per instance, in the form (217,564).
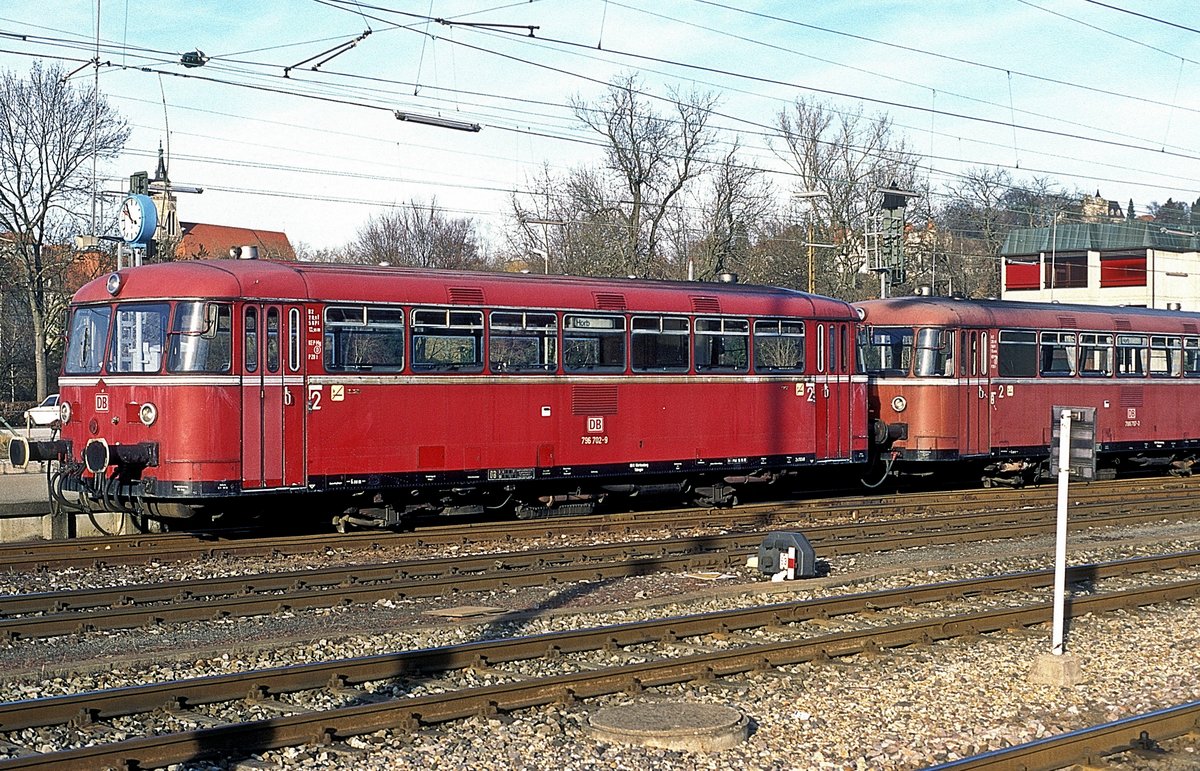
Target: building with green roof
(1130,262)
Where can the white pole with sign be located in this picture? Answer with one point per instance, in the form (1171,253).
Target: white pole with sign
(1060,533)
(1076,455)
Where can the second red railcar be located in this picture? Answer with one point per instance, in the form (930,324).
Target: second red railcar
(954,380)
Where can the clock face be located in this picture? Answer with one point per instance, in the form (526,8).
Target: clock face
(137,219)
(130,219)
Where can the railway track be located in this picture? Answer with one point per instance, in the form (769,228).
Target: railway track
(874,513)
(66,612)
(696,648)
(1141,733)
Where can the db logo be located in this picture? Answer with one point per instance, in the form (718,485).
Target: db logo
(1131,413)
(595,425)
(101,402)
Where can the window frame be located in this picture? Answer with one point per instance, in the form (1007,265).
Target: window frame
(462,325)
(575,332)
(366,328)
(724,329)
(544,337)
(761,332)
(664,340)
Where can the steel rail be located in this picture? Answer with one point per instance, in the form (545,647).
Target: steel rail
(128,607)
(1140,732)
(265,683)
(249,596)
(325,726)
(48,602)
(164,548)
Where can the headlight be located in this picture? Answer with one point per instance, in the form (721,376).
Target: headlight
(899,404)
(148,414)
(113,284)
(64,412)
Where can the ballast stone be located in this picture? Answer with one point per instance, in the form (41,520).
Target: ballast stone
(672,725)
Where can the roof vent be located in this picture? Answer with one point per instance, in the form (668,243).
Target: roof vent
(465,295)
(705,304)
(923,291)
(609,301)
(727,277)
(243,252)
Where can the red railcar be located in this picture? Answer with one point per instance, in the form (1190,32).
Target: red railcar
(963,381)
(380,391)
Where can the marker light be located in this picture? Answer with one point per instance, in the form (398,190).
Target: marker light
(148,413)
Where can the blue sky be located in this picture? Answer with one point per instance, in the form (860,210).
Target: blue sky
(1074,90)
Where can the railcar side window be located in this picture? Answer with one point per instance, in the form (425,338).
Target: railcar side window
(139,338)
(778,345)
(358,338)
(89,338)
(272,339)
(523,342)
(1191,357)
(250,339)
(447,340)
(660,344)
(973,345)
(1017,354)
(887,351)
(1131,355)
(1095,355)
(1165,356)
(722,345)
(1058,355)
(935,353)
(594,343)
(294,342)
(201,338)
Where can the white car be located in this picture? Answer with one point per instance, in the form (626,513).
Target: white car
(45,414)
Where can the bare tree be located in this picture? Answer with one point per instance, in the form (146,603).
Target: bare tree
(651,159)
(979,211)
(50,133)
(847,158)
(418,235)
(734,208)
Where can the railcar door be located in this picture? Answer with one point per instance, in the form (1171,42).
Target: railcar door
(973,403)
(832,414)
(820,395)
(272,410)
(839,403)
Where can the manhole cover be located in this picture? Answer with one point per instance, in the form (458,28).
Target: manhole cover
(672,725)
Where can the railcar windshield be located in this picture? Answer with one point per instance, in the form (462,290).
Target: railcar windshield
(201,338)
(887,351)
(87,340)
(139,337)
(935,353)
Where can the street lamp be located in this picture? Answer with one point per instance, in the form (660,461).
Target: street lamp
(545,235)
(545,259)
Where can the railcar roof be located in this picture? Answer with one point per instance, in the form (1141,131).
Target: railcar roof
(325,282)
(947,311)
